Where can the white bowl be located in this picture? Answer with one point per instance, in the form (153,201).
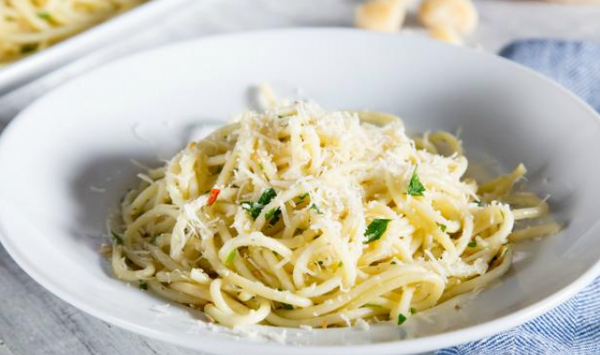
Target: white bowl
(65,161)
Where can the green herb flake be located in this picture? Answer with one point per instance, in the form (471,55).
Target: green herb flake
(273,215)
(302,197)
(117,238)
(415,187)
(320,262)
(143,286)
(45,15)
(267,196)
(255,208)
(288,307)
(316,208)
(413,311)
(393,262)
(341,264)
(472,244)
(479,203)
(286,114)
(375,230)
(442,227)
(401,318)
(370,305)
(230,257)
(28,48)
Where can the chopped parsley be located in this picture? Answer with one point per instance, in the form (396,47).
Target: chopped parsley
(320,262)
(45,15)
(247,205)
(273,215)
(255,208)
(401,319)
(286,114)
(267,196)
(415,187)
(375,230)
(143,286)
(117,238)
(287,306)
(230,257)
(472,244)
(28,48)
(442,227)
(341,264)
(316,208)
(393,262)
(479,203)
(413,310)
(302,197)
(371,305)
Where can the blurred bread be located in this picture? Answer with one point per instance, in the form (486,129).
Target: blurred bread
(381,15)
(446,34)
(458,15)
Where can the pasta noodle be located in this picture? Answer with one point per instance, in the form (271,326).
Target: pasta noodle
(28,26)
(304,217)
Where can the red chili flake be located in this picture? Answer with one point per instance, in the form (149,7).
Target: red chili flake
(214,194)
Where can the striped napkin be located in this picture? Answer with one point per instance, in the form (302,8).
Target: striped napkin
(573,327)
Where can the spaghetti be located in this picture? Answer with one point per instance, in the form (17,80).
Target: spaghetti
(28,26)
(303,217)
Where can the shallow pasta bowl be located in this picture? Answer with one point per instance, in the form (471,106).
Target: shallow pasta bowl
(65,162)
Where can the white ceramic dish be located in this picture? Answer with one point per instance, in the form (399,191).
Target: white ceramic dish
(65,163)
(29,68)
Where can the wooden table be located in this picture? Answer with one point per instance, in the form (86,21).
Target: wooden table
(33,321)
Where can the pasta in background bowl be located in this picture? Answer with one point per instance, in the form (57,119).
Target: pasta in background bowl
(37,37)
(55,202)
(29,26)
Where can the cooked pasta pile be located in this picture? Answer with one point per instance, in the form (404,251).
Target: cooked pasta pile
(28,26)
(304,217)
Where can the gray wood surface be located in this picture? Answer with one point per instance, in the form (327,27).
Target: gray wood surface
(4,349)
(33,321)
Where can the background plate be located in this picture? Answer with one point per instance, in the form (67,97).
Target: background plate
(31,67)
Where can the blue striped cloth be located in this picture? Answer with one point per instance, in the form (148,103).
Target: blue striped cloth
(573,327)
